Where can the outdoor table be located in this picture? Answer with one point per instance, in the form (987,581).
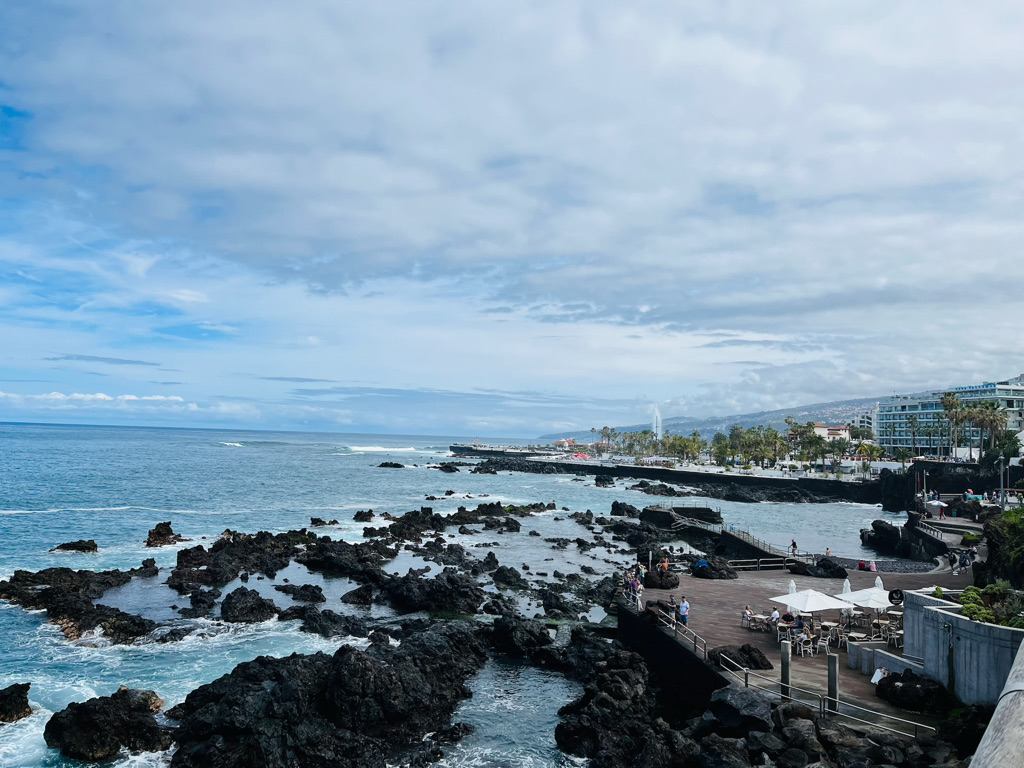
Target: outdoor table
(857,637)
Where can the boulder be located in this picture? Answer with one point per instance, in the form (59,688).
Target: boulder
(604,481)
(447,592)
(330,624)
(659,579)
(714,568)
(659,517)
(201,603)
(306,593)
(319,522)
(245,606)
(915,693)
(363,516)
(82,545)
(391,465)
(161,535)
(507,576)
(719,752)
(447,466)
(746,656)
(516,636)
(97,729)
(14,702)
(621,509)
(741,710)
(359,596)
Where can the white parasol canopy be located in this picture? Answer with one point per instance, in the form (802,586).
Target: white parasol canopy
(878,582)
(846,591)
(792,591)
(810,601)
(936,503)
(873,598)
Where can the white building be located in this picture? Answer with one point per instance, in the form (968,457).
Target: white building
(892,428)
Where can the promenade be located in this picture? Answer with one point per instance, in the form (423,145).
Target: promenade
(716,605)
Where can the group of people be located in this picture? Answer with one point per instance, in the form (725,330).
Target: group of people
(803,630)
(963,560)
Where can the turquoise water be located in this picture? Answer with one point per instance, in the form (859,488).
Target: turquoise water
(60,483)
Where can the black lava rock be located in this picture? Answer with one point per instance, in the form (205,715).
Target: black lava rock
(245,606)
(14,702)
(82,545)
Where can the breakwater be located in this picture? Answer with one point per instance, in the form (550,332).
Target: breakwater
(729,486)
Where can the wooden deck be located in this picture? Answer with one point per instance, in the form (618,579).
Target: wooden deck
(716,606)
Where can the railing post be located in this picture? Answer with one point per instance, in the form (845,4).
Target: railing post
(787,655)
(746,677)
(833,682)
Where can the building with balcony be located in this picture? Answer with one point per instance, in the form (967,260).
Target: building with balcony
(893,425)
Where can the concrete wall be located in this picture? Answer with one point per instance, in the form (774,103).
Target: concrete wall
(970,657)
(869,656)
(673,666)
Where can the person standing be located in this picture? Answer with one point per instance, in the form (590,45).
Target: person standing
(684,610)
(793,547)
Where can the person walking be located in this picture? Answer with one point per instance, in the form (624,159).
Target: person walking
(684,610)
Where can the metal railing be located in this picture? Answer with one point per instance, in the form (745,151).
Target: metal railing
(827,705)
(684,522)
(762,564)
(931,530)
(700,645)
(769,547)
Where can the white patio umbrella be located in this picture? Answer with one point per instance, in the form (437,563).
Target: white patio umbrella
(874,598)
(878,582)
(792,591)
(936,503)
(810,601)
(846,591)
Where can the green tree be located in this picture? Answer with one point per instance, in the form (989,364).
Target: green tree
(901,455)
(720,449)
(954,410)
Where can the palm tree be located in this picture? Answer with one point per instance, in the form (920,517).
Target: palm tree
(901,454)
(954,409)
(912,423)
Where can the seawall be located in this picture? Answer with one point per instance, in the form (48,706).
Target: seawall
(729,486)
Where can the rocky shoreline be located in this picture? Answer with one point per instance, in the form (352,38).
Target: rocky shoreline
(392,703)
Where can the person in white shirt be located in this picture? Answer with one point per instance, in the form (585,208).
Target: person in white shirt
(775,615)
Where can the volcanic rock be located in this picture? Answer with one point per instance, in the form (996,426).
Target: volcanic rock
(516,636)
(746,655)
(390,465)
(659,579)
(604,481)
(245,606)
(319,522)
(621,509)
(82,545)
(355,709)
(14,702)
(363,516)
(202,602)
(307,593)
(97,729)
(162,535)
(914,693)
(715,568)
(506,576)
(448,591)
(359,596)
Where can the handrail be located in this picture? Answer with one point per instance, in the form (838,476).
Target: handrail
(823,700)
(677,627)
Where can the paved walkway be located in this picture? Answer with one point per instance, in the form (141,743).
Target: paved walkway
(715,615)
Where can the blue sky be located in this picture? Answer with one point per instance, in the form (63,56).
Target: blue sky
(483,219)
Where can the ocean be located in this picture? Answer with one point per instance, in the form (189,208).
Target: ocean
(112,484)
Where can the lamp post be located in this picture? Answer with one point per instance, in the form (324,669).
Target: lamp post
(1002,485)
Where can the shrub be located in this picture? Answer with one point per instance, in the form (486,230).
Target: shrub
(937,592)
(969,539)
(977,613)
(1017,622)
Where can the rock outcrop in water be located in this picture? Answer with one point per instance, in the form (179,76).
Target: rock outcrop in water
(97,729)
(355,709)
(245,606)
(67,597)
(161,535)
(82,545)
(14,702)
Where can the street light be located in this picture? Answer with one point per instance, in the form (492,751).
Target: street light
(1002,485)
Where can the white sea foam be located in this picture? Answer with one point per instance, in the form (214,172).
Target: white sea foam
(233,445)
(379,449)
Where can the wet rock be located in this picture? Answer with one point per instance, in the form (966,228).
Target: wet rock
(489,563)
(327,623)
(464,531)
(604,481)
(447,466)
(390,465)
(14,702)
(621,509)
(516,636)
(499,605)
(82,545)
(658,489)
(307,593)
(826,568)
(245,606)
(719,752)
(363,516)
(161,535)
(202,602)
(97,729)
(506,576)
(359,596)
(353,709)
(319,522)
(747,656)
(448,592)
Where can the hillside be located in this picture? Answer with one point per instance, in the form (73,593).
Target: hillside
(838,412)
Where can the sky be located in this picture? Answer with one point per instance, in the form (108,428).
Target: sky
(502,218)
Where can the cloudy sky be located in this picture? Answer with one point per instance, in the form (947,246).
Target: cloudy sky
(502,218)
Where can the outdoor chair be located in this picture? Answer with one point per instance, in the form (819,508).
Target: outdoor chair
(805,647)
(822,642)
(839,636)
(783,633)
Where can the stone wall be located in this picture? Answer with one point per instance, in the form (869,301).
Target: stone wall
(970,657)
